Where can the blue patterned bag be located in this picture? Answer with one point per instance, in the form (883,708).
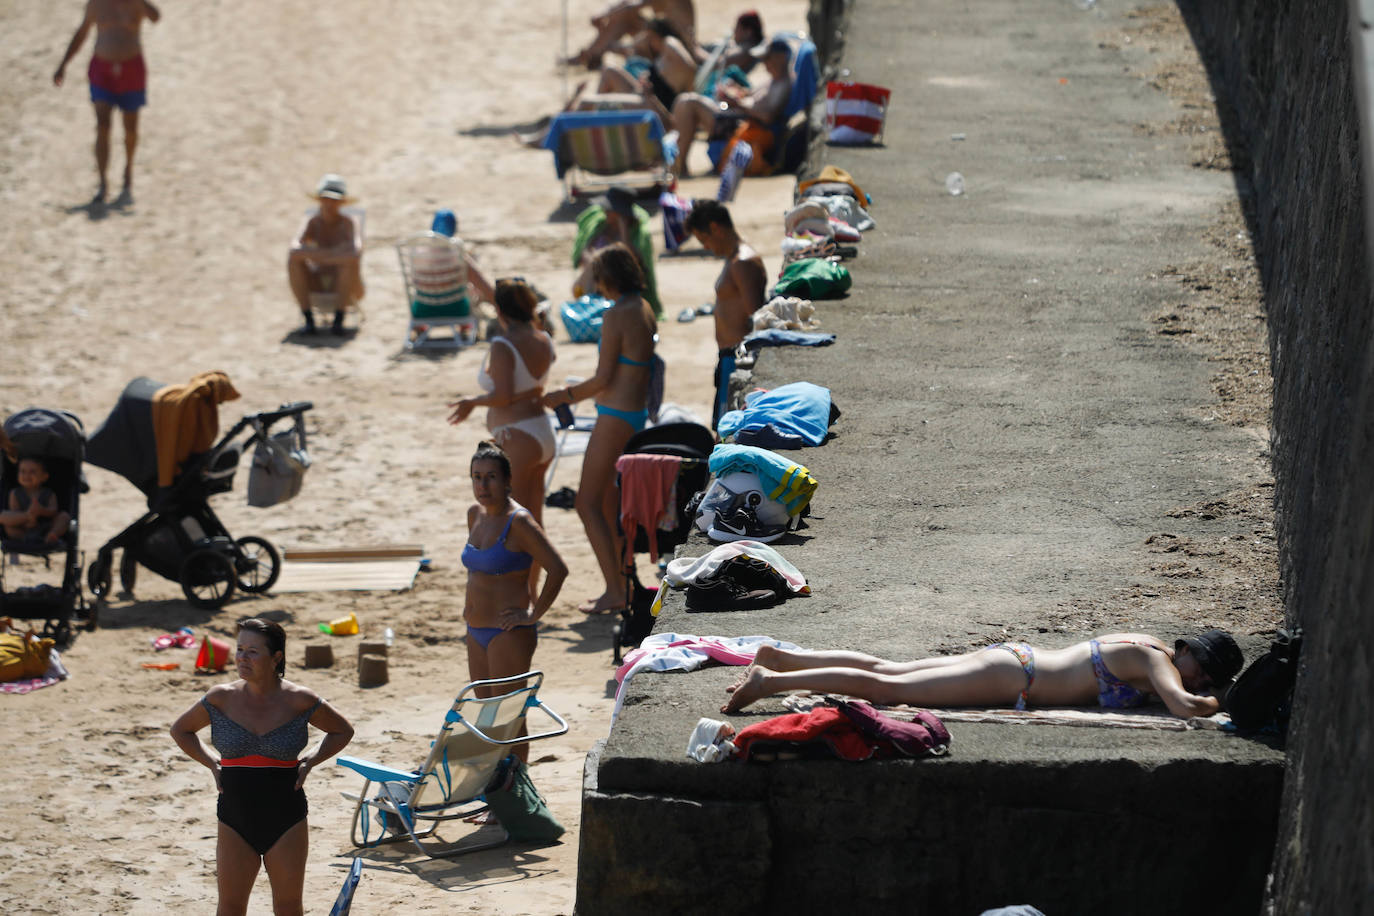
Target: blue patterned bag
(582,317)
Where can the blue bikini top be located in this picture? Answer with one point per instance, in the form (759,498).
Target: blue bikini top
(496,560)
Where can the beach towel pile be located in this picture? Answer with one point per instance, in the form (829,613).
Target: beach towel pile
(789,417)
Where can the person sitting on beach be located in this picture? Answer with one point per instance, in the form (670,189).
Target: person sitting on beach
(625,19)
(258,725)
(1115,671)
(500,606)
(118,77)
(445,223)
(31,505)
(744,42)
(615,217)
(740,289)
(761,109)
(621,387)
(327,255)
(672,69)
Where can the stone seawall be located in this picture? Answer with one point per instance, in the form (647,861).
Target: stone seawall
(1287,72)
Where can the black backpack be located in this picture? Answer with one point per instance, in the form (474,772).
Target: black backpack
(1262,697)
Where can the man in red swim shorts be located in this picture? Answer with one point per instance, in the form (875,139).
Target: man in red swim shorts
(117,74)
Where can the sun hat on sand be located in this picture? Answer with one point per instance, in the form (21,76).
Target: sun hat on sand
(333,187)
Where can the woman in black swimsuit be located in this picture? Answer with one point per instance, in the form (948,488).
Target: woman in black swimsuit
(258,725)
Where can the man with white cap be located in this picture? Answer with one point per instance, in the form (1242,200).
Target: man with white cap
(327,254)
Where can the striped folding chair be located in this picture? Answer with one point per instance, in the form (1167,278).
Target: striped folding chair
(595,149)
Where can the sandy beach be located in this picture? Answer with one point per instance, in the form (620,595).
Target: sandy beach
(248,104)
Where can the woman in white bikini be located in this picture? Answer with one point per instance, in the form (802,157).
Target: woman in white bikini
(516,370)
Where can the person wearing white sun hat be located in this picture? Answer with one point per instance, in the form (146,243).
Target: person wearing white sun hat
(327,254)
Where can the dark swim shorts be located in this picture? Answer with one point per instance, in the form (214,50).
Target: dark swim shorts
(122,83)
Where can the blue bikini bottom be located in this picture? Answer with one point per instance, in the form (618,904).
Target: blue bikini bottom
(636,418)
(484,635)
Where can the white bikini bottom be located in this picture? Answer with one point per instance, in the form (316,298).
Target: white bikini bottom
(537,428)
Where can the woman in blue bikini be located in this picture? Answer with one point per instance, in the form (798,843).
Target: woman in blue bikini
(504,540)
(621,388)
(258,725)
(1115,671)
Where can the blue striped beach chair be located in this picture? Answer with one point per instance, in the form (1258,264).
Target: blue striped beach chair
(593,150)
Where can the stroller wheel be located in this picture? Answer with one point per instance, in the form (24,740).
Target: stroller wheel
(258,564)
(98,574)
(207,578)
(128,572)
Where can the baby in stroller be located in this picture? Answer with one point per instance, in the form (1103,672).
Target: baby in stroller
(31,504)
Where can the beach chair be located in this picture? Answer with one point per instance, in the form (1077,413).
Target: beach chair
(569,440)
(475,736)
(435,270)
(325,304)
(593,150)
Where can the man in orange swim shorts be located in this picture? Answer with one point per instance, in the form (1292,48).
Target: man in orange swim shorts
(117,74)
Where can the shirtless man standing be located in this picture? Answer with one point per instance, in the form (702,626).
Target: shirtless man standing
(740,288)
(117,74)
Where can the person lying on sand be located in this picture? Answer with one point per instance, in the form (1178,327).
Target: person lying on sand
(1116,671)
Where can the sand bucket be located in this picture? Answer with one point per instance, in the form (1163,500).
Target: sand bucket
(214,654)
(341,626)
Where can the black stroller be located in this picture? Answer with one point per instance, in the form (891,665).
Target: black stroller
(180,538)
(55,438)
(691,442)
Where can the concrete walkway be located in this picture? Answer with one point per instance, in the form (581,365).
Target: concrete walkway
(1014,432)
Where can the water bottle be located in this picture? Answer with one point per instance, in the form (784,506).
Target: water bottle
(389,637)
(954,184)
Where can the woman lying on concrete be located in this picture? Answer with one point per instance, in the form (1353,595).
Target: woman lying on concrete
(1118,670)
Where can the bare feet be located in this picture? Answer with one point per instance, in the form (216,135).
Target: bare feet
(602,604)
(743,676)
(753,686)
(481,818)
(100,193)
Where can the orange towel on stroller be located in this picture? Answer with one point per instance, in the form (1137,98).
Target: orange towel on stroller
(186,420)
(647,484)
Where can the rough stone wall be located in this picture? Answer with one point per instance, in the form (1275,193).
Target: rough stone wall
(1284,67)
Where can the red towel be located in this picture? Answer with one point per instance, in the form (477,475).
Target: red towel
(647,483)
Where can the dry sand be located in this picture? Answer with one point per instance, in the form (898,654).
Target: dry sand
(249,103)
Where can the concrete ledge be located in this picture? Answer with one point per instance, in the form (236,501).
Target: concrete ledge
(1072,819)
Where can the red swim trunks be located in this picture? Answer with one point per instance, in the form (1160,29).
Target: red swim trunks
(122,83)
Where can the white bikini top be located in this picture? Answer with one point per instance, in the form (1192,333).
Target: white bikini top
(524,380)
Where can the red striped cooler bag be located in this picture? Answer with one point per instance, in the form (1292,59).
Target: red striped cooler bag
(854,112)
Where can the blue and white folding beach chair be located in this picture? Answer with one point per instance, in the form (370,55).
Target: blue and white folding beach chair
(475,736)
